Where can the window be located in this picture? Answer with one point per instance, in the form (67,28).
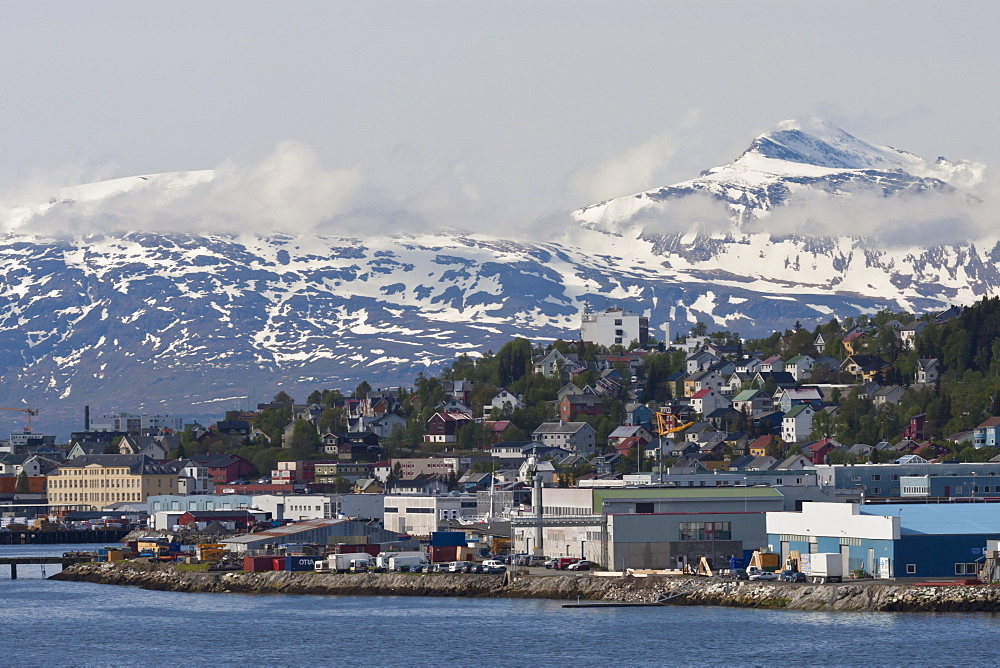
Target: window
(644,508)
(876,476)
(420,510)
(855,478)
(705,530)
(959,569)
(911,569)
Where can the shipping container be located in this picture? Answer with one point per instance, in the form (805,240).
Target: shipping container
(301,563)
(258,564)
(277,563)
(447,538)
(444,553)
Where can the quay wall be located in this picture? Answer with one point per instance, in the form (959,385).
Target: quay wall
(845,597)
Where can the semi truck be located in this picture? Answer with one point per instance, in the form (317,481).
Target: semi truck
(340,563)
(822,567)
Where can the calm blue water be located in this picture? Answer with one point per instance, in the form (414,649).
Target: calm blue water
(65,623)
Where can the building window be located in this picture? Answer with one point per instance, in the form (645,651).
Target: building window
(911,569)
(876,476)
(644,508)
(705,530)
(959,569)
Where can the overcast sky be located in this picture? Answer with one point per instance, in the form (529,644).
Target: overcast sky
(502,112)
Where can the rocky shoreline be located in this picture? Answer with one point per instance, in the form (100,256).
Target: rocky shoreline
(872,597)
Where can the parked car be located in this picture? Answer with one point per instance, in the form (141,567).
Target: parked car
(580,566)
(550,563)
(740,574)
(762,575)
(492,566)
(562,563)
(458,566)
(792,576)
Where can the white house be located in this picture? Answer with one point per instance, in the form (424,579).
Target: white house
(797,423)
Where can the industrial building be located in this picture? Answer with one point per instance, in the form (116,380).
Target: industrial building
(891,540)
(280,506)
(419,515)
(883,480)
(648,527)
(322,532)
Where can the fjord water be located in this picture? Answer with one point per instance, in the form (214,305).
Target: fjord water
(51,623)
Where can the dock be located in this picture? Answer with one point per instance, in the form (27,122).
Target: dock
(63,561)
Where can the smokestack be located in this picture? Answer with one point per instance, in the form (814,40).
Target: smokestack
(538,513)
(86,418)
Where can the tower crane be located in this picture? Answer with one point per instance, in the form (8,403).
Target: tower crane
(28,412)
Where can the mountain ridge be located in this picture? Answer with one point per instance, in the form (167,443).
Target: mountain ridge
(196,324)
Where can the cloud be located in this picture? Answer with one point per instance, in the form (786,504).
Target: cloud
(289,190)
(629,172)
(904,220)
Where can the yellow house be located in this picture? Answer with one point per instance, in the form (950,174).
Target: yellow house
(100,480)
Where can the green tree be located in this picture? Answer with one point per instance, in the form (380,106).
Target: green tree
(283,398)
(362,390)
(21,486)
(304,436)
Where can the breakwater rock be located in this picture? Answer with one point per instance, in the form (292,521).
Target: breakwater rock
(868,596)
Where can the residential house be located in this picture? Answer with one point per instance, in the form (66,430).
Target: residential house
(442,427)
(854,342)
(132,444)
(797,423)
(628,431)
(791,397)
(772,364)
(351,445)
(577,437)
(748,365)
(760,445)
(891,394)
(915,429)
(768,423)
(908,334)
(703,380)
(552,364)
(528,470)
(224,468)
(708,400)
(985,435)
(800,367)
(503,403)
(573,405)
(422,485)
(752,402)
(638,414)
(865,367)
(927,371)
(699,361)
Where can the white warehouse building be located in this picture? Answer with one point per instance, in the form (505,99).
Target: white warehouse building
(615,326)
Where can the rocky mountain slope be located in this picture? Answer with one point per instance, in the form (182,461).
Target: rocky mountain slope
(197,324)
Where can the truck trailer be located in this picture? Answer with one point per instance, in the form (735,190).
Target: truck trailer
(822,567)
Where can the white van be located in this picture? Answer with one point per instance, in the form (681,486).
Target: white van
(458,566)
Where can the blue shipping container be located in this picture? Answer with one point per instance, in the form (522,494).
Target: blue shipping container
(448,538)
(301,563)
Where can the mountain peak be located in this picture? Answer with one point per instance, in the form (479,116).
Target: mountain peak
(819,143)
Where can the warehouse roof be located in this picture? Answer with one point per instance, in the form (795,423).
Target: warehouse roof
(941,519)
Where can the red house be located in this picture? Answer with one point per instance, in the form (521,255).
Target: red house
(442,427)
(573,405)
(225,468)
(915,430)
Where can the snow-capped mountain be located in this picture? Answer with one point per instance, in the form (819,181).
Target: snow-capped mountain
(198,324)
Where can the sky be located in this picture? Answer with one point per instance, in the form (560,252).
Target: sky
(476,114)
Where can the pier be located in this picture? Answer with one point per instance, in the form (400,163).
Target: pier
(63,561)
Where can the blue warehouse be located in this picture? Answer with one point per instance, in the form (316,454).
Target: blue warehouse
(890,540)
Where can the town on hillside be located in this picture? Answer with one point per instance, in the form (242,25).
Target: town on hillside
(865,448)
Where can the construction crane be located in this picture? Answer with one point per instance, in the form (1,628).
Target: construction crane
(28,412)
(667,423)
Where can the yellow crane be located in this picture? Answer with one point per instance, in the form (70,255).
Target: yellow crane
(664,421)
(28,412)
